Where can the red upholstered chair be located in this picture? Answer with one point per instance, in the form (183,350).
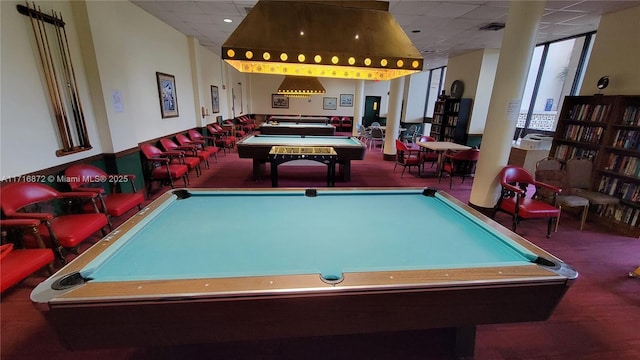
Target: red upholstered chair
(27,200)
(246,123)
(513,200)
(226,133)
(162,167)
(459,163)
(109,187)
(190,157)
(221,139)
(201,152)
(406,157)
(19,263)
(238,128)
(195,135)
(346,123)
(335,121)
(428,155)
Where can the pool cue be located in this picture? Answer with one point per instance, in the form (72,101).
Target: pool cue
(75,87)
(71,92)
(60,114)
(47,76)
(58,96)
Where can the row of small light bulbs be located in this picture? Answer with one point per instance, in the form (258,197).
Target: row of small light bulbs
(317,59)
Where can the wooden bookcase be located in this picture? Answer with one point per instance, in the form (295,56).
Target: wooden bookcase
(451,120)
(607,130)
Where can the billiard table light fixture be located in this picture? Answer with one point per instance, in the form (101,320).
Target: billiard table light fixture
(333,39)
(300,86)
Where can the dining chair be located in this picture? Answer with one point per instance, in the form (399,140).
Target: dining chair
(364,134)
(410,134)
(406,157)
(459,163)
(580,174)
(377,136)
(428,155)
(550,171)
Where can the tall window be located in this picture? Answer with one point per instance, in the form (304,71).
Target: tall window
(556,71)
(436,81)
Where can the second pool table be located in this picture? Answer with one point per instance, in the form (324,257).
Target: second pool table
(257,147)
(293,128)
(204,266)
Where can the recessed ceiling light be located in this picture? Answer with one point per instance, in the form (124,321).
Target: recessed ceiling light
(228,20)
(495,26)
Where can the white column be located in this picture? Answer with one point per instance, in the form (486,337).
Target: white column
(396,91)
(358,106)
(518,43)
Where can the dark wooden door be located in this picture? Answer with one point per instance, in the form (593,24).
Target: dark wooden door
(371,110)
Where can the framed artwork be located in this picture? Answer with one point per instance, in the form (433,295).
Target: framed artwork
(329,103)
(168,95)
(279,101)
(215,100)
(346,100)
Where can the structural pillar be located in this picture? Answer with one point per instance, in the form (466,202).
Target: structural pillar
(518,43)
(358,107)
(396,92)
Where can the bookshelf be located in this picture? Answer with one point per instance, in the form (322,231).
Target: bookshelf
(451,120)
(605,129)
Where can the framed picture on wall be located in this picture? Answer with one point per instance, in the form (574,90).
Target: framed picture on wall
(215,99)
(279,101)
(168,95)
(329,103)
(346,100)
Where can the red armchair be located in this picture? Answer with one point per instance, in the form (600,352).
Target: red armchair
(459,163)
(406,157)
(247,123)
(428,155)
(84,177)
(195,135)
(221,139)
(226,133)
(237,129)
(190,157)
(161,168)
(346,123)
(201,152)
(335,121)
(18,264)
(513,200)
(22,200)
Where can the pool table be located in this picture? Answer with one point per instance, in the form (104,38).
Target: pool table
(301,119)
(205,266)
(257,147)
(293,128)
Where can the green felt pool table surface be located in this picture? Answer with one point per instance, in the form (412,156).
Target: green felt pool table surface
(296,234)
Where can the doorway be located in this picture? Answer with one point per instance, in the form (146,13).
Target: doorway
(371,110)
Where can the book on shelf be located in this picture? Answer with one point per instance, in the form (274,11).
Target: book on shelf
(589,112)
(631,115)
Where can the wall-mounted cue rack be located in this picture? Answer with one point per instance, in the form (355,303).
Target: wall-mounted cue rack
(60,78)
